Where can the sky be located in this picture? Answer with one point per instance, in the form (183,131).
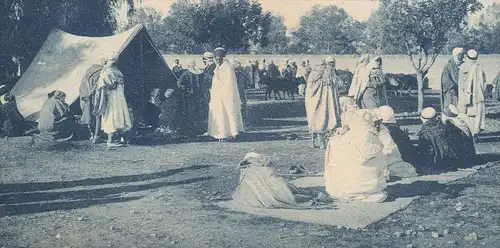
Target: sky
(292,10)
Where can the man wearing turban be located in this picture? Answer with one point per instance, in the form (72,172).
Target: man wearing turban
(224,118)
(449,79)
(111,104)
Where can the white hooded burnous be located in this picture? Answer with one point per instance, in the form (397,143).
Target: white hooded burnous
(224,119)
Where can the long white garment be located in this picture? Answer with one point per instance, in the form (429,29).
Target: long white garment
(472,81)
(117,116)
(224,119)
(359,82)
(355,162)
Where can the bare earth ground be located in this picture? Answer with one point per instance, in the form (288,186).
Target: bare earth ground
(163,195)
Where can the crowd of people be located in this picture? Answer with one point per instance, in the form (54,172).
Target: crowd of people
(365,146)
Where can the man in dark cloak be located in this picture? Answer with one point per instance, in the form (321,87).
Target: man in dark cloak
(434,153)
(459,136)
(191,103)
(177,69)
(208,74)
(88,87)
(12,122)
(449,79)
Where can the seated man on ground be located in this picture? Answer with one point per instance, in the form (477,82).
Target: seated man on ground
(400,137)
(261,187)
(12,122)
(56,121)
(355,164)
(434,152)
(459,136)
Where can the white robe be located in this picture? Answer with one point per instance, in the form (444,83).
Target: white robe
(224,119)
(116,116)
(472,81)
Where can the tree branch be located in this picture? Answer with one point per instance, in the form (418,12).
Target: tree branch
(411,56)
(433,60)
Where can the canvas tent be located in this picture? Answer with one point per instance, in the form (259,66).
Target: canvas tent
(63,59)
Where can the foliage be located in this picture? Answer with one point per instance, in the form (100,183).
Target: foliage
(26,24)
(277,40)
(329,29)
(486,35)
(233,24)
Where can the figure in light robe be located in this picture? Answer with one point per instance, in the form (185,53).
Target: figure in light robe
(225,119)
(471,100)
(111,103)
(88,88)
(322,102)
(56,122)
(355,163)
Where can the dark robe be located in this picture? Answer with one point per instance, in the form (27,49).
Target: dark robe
(177,70)
(496,82)
(434,153)
(11,120)
(462,144)
(190,111)
(402,140)
(208,75)
(242,80)
(449,84)
(88,88)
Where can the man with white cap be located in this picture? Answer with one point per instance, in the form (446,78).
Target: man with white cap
(459,137)
(434,154)
(449,78)
(111,103)
(472,82)
(400,137)
(224,119)
(322,101)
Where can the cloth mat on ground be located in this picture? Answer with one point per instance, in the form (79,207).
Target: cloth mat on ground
(353,214)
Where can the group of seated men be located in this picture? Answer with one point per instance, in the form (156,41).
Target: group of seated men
(363,155)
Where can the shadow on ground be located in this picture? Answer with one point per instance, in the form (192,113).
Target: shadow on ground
(424,188)
(26,198)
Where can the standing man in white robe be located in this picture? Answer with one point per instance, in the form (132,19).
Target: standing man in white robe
(111,104)
(224,119)
(472,81)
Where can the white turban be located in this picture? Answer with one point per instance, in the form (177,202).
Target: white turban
(457,50)
(386,113)
(472,54)
(428,113)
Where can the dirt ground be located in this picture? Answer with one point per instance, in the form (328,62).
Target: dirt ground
(163,195)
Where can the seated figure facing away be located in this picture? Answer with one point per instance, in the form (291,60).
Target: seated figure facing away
(459,136)
(400,137)
(355,164)
(261,187)
(12,123)
(434,152)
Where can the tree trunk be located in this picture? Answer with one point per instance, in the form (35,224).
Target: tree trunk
(420,88)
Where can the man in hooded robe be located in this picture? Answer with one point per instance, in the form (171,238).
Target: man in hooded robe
(88,87)
(355,163)
(360,79)
(111,103)
(472,82)
(302,76)
(459,137)
(191,101)
(225,119)
(449,79)
(242,79)
(260,186)
(375,95)
(12,123)
(434,152)
(256,74)
(401,138)
(322,101)
(56,122)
